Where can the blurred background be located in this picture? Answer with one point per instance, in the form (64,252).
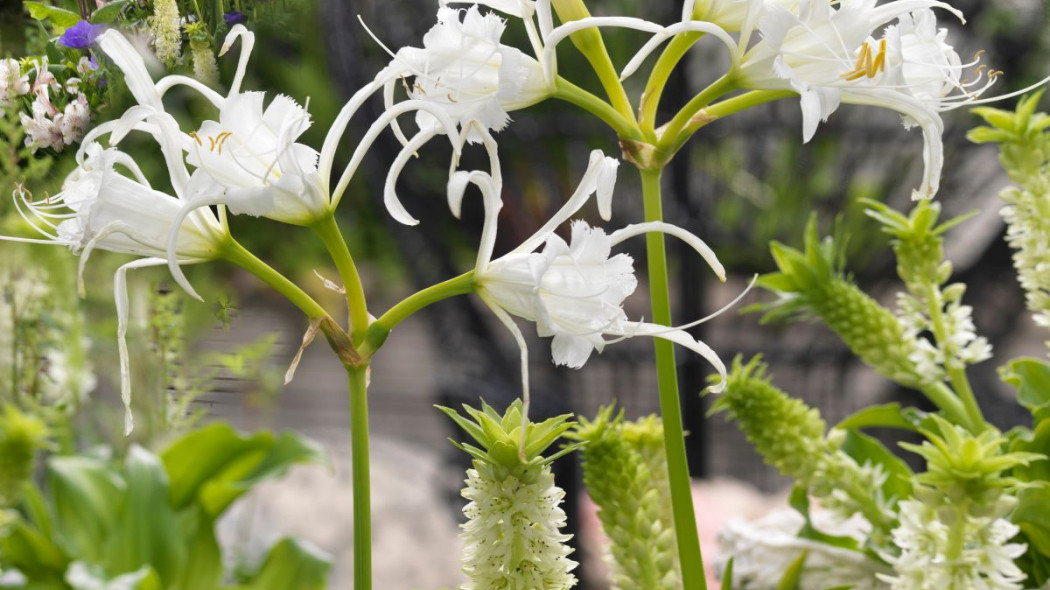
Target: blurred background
(739,184)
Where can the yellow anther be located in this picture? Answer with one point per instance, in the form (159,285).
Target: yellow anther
(221,139)
(196,137)
(868,65)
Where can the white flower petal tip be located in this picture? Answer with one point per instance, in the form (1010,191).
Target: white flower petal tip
(235,32)
(605,186)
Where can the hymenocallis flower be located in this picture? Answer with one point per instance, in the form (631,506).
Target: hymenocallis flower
(832,53)
(573,292)
(101,208)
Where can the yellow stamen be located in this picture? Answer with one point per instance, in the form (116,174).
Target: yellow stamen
(196,137)
(868,65)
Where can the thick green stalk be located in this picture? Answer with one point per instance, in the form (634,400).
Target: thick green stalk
(688,540)
(358,377)
(328,230)
(718,88)
(661,72)
(572,93)
(718,111)
(380,328)
(233,252)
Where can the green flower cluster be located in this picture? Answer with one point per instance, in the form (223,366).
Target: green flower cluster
(512,538)
(812,282)
(625,472)
(798,448)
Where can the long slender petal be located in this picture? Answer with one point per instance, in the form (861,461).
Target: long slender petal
(335,132)
(247,43)
(168,82)
(130,62)
(173,237)
(120,296)
(390,200)
(684,339)
(549,60)
(690,238)
(671,31)
(523,348)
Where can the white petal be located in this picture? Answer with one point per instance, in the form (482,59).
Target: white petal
(120,296)
(571,351)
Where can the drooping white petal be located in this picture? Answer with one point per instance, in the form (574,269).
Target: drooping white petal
(690,238)
(120,296)
(696,26)
(247,43)
(124,55)
(683,339)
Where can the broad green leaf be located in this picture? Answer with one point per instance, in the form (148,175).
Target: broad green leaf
(1031,377)
(86,494)
(292,565)
(255,467)
(1034,518)
(61,19)
(793,574)
(1037,441)
(799,500)
(33,554)
(204,568)
(107,13)
(884,416)
(148,531)
(215,465)
(865,449)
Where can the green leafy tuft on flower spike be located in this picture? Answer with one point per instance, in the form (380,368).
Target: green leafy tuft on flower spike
(512,538)
(626,475)
(812,282)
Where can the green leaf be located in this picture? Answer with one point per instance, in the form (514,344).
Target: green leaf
(204,567)
(61,19)
(215,465)
(1037,441)
(727,576)
(86,493)
(253,468)
(108,12)
(292,565)
(1031,377)
(793,574)
(884,416)
(33,554)
(1033,517)
(799,500)
(865,449)
(148,533)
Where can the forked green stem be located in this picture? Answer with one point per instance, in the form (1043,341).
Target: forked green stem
(328,230)
(688,540)
(233,252)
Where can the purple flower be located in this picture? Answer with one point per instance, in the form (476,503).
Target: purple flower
(81,35)
(235,18)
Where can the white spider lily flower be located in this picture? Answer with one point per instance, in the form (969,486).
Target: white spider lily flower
(250,154)
(463,67)
(100,208)
(829,55)
(13,83)
(573,292)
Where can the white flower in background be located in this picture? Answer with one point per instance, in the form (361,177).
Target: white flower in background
(986,560)
(764,549)
(75,120)
(85,66)
(463,67)
(42,130)
(250,155)
(13,83)
(573,292)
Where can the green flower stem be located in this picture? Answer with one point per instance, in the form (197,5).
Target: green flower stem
(975,422)
(720,110)
(328,230)
(572,93)
(358,377)
(688,540)
(590,43)
(380,328)
(718,88)
(233,252)
(661,72)
(943,397)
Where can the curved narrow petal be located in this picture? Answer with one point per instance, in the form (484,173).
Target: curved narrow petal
(390,200)
(928,120)
(504,317)
(85,253)
(381,123)
(168,82)
(684,339)
(588,185)
(173,237)
(690,238)
(551,40)
(247,43)
(335,132)
(124,55)
(689,25)
(490,192)
(120,297)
